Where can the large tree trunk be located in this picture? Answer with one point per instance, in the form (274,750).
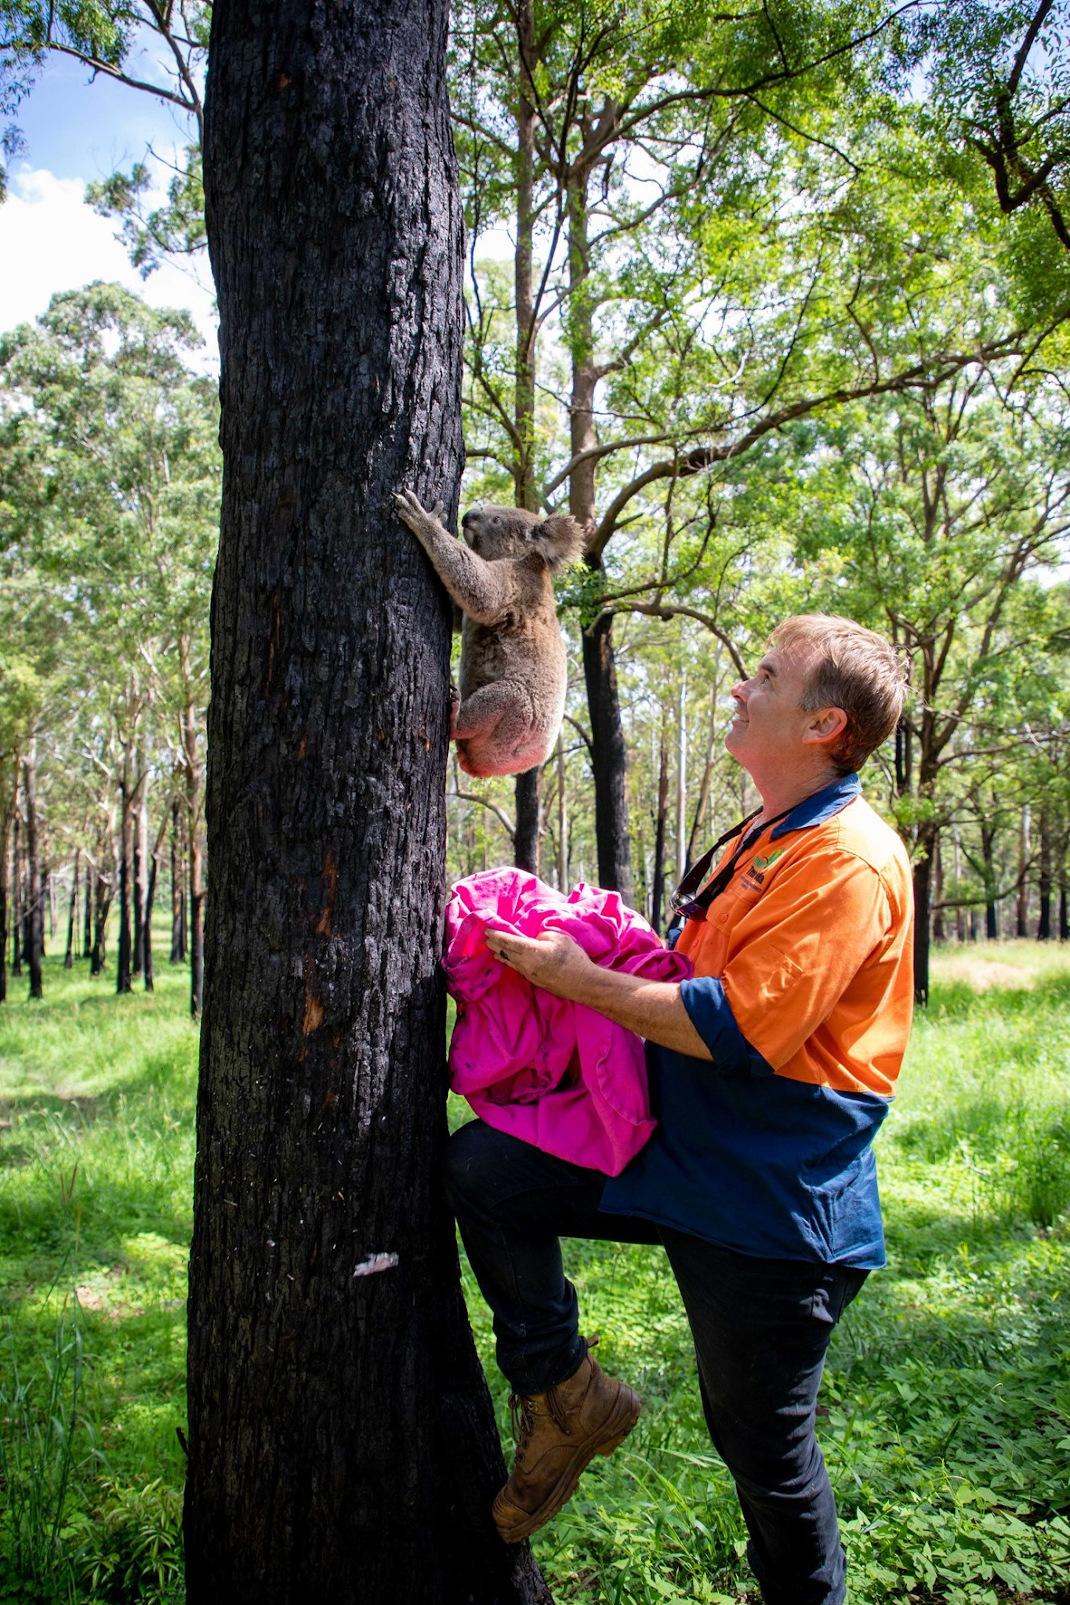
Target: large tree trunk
(35,927)
(341,1443)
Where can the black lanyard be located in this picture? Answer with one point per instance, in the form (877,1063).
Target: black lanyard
(683,901)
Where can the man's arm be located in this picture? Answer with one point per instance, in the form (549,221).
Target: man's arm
(554,962)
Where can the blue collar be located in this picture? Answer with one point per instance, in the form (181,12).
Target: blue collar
(821,805)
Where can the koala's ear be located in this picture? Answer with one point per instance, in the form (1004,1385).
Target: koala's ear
(558,540)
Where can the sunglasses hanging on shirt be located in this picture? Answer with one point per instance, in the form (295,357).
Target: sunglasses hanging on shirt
(683,902)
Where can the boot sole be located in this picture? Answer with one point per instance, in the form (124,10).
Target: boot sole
(620,1424)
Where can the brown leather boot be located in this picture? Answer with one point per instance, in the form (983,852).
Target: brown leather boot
(557,1433)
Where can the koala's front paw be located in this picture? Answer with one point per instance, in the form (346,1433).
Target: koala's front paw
(409,510)
(423,524)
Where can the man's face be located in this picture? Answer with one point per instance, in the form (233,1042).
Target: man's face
(770,722)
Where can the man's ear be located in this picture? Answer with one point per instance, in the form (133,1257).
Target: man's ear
(825,725)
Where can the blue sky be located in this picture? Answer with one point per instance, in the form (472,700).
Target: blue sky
(77,130)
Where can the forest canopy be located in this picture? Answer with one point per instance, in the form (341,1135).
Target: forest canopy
(774,303)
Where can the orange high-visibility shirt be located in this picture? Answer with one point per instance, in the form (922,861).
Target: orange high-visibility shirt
(802,992)
(812,943)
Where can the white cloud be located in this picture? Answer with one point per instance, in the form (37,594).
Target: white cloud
(50,240)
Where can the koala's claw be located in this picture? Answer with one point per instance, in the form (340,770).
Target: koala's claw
(415,516)
(408,508)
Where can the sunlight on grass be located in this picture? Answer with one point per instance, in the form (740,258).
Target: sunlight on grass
(947,1398)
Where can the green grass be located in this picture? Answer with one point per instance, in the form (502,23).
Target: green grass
(947,1394)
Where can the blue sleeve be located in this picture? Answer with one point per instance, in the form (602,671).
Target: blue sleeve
(711,1015)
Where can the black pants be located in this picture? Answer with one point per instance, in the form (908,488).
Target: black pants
(760,1326)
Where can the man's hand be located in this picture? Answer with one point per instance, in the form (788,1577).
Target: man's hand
(552,961)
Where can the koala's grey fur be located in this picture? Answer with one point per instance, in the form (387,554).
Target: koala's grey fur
(513,668)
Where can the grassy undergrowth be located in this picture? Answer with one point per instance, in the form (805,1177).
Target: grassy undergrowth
(947,1394)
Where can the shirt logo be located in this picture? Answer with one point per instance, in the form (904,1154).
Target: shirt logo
(754,878)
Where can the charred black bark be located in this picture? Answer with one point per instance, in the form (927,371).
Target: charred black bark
(341,1443)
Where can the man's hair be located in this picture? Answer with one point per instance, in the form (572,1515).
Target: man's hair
(854,669)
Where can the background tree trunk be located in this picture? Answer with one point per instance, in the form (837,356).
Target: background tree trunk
(178,895)
(1045,879)
(341,1442)
(528,788)
(123,977)
(141,853)
(923,879)
(18,911)
(527,836)
(657,888)
(562,816)
(87,913)
(1021,906)
(35,925)
(101,908)
(72,914)
(608,758)
(988,859)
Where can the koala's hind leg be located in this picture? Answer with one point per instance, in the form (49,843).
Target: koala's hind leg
(493,729)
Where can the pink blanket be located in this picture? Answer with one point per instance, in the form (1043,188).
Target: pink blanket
(553,1073)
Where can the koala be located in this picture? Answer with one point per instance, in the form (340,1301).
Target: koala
(513,669)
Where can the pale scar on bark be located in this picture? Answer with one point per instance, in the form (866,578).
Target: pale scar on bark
(375,1263)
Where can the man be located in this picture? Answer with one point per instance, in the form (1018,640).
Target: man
(771,1071)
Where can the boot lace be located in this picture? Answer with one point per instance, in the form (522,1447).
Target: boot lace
(522,1413)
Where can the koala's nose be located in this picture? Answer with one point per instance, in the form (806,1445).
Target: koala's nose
(469,517)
